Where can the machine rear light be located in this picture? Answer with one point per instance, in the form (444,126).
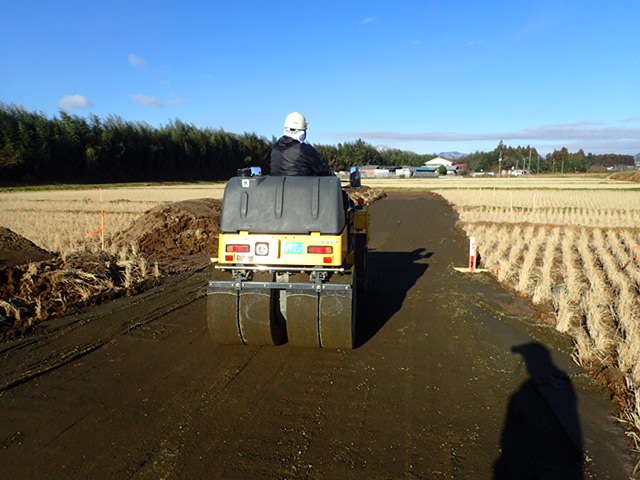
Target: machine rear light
(238,248)
(321,250)
(327,259)
(262,249)
(228,258)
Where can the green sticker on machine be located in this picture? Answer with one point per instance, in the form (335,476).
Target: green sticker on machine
(293,248)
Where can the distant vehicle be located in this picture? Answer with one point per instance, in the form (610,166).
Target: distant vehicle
(518,173)
(483,174)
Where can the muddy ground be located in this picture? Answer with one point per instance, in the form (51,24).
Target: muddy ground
(450,379)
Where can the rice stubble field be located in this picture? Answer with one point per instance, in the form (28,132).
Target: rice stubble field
(575,254)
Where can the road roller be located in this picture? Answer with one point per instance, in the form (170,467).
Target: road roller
(295,251)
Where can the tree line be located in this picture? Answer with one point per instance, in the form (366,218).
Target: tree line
(36,149)
(559,161)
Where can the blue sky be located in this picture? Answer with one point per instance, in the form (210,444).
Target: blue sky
(427,76)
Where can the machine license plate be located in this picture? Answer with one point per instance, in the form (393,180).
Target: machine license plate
(293,248)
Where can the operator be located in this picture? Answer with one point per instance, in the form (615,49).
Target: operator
(292,156)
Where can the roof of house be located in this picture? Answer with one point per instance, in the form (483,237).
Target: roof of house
(439,161)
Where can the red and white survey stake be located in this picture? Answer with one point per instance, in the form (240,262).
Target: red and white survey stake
(472,254)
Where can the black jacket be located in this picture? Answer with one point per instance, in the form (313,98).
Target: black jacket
(292,158)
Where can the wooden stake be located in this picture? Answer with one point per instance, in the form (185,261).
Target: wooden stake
(102,229)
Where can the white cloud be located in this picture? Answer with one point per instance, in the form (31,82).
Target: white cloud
(590,136)
(178,101)
(74,102)
(369,20)
(137,61)
(567,131)
(146,100)
(150,101)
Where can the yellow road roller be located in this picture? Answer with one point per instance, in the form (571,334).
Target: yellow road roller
(295,249)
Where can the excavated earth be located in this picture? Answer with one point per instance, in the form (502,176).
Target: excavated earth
(177,235)
(451,377)
(17,250)
(174,237)
(41,285)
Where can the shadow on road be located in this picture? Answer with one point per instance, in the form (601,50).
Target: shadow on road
(542,437)
(390,276)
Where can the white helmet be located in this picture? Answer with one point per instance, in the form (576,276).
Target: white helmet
(295,121)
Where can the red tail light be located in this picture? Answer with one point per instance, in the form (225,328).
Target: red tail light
(238,248)
(321,250)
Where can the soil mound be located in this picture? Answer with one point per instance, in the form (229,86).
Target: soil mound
(32,293)
(630,176)
(369,195)
(185,234)
(176,235)
(36,285)
(17,250)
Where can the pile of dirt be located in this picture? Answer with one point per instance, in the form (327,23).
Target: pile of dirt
(184,234)
(36,285)
(368,194)
(630,176)
(35,292)
(17,250)
(177,235)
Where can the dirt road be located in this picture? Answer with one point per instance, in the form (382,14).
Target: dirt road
(137,390)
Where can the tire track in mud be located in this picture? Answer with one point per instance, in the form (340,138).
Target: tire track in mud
(281,412)
(66,340)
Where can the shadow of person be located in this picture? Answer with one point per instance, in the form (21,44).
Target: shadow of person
(390,276)
(542,436)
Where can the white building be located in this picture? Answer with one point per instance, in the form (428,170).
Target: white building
(436,162)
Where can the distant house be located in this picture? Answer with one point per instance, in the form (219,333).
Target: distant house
(377,171)
(425,172)
(405,172)
(436,162)
(451,166)
(369,170)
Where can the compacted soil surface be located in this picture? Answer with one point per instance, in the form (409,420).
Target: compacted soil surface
(450,379)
